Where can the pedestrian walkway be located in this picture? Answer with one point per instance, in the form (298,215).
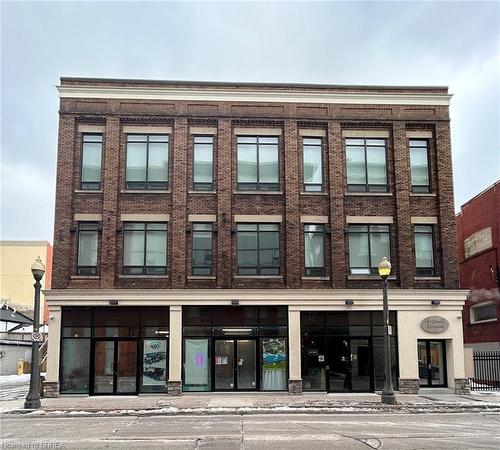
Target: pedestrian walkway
(244,403)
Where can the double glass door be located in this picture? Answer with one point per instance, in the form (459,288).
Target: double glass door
(348,367)
(235,364)
(115,366)
(431,363)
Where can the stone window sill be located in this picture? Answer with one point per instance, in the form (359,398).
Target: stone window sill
(153,277)
(85,277)
(316,278)
(368,277)
(368,194)
(88,191)
(484,322)
(258,277)
(422,194)
(201,277)
(202,192)
(145,191)
(314,193)
(427,278)
(258,192)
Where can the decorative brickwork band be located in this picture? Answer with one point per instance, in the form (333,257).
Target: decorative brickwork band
(462,386)
(50,389)
(174,388)
(295,386)
(408,386)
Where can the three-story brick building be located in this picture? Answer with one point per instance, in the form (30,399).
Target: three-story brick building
(225,236)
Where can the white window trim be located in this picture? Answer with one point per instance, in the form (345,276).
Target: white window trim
(477,306)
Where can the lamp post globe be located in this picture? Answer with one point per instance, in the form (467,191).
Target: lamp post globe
(388,397)
(33,397)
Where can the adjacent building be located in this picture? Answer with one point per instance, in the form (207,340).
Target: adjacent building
(226,237)
(478,237)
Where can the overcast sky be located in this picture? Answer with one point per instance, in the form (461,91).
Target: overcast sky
(422,43)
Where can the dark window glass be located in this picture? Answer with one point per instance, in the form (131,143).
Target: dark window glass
(368,244)
(419,161)
(424,250)
(366,165)
(145,248)
(483,312)
(314,251)
(202,249)
(75,366)
(203,163)
(88,239)
(258,163)
(91,162)
(147,161)
(258,249)
(313,164)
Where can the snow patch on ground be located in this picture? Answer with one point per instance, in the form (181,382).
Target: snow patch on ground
(14,379)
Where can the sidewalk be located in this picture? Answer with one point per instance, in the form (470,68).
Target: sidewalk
(255,403)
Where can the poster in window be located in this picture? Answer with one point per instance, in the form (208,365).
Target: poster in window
(154,362)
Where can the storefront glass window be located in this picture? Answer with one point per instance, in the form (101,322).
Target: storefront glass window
(273,364)
(75,366)
(154,363)
(196,365)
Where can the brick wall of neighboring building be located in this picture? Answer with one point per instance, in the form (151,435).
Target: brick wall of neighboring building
(480,272)
(291,203)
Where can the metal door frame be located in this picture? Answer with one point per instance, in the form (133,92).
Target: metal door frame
(429,384)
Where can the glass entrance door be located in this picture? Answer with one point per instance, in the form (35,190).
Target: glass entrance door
(115,367)
(431,363)
(349,367)
(235,365)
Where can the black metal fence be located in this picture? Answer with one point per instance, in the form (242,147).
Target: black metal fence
(486,371)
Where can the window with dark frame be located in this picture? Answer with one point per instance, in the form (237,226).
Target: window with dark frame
(258,163)
(258,249)
(424,251)
(88,243)
(314,250)
(144,248)
(91,162)
(366,165)
(202,235)
(312,150)
(147,161)
(419,162)
(203,154)
(368,244)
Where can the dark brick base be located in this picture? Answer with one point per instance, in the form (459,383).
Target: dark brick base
(295,386)
(174,388)
(409,386)
(462,386)
(50,389)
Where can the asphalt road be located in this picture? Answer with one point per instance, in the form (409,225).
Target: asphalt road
(270,431)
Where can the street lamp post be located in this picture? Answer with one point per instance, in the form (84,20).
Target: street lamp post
(33,397)
(388,397)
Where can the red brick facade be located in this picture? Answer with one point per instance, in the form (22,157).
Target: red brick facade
(480,271)
(290,202)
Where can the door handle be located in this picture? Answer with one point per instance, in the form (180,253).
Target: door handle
(327,367)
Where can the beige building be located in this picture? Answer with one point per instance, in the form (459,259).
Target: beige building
(16,280)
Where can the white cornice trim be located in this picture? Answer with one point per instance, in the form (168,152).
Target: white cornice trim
(259,96)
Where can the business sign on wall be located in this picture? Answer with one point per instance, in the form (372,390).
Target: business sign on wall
(434,324)
(479,241)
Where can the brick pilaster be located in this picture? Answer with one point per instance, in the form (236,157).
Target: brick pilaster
(178,220)
(292,213)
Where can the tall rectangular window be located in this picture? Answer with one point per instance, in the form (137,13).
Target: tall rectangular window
(314,250)
(258,249)
(313,164)
(419,161)
(88,239)
(91,162)
(144,248)
(258,163)
(202,248)
(203,163)
(368,244)
(147,161)
(424,250)
(366,165)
